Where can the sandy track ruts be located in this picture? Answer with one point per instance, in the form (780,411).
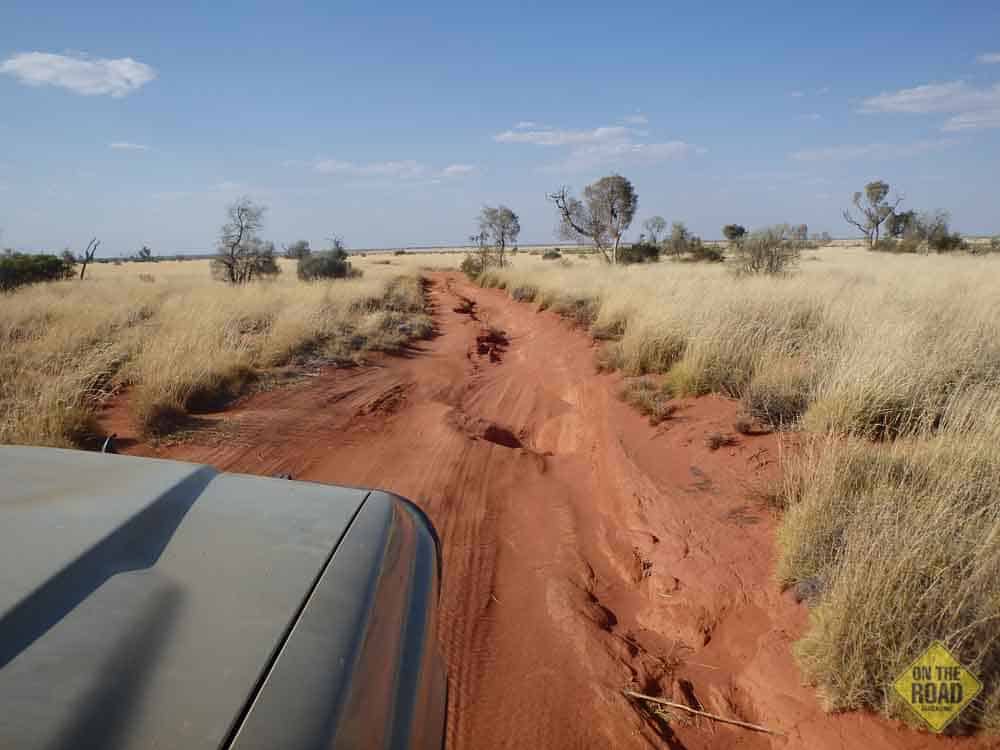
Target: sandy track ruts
(584,550)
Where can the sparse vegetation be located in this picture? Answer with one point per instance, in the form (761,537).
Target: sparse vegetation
(180,345)
(652,400)
(771,251)
(927,232)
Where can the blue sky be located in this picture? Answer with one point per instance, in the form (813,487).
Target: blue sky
(393,123)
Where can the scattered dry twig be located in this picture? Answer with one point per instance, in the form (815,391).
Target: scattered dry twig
(696,712)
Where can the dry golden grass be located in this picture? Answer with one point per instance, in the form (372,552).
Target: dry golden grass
(862,343)
(181,341)
(892,365)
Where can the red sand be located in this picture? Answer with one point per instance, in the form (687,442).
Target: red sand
(584,550)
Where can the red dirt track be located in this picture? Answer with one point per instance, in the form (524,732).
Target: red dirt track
(584,551)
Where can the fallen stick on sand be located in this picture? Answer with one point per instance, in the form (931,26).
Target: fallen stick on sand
(696,712)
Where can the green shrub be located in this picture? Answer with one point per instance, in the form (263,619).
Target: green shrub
(329,264)
(471,266)
(703,253)
(640,252)
(552,254)
(18,269)
(926,232)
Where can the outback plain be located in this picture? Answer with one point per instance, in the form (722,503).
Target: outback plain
(754,495)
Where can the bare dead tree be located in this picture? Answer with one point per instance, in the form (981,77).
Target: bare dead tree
(242,255)
(873,208)
(88,255)
(602,217)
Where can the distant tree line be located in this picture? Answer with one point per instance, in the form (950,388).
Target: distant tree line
(601,217)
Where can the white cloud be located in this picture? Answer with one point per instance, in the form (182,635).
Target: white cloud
(624,152)
(875,151)
(405,169)
(955,96)
(80,74)
(408,170)
(562,137)
(637,120)
(989,58)
(525,125)
(126,146)
(972,107)
(607,145)
(814,116)
(988,118)
(458,170)
(816,92)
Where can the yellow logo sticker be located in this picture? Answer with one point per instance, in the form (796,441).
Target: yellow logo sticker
(937,687)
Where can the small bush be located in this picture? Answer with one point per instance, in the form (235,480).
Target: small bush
(982,248)
(524,293)
(640,252)
(780,392)
(654,401)
(926,232)
(899,246)
(329,264)
(716,440)
(552,254)
(703,253)
(18,269)
(769,251)
(399,252)
(471,266)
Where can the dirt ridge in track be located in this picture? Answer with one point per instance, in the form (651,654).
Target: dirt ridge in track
(584,550)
